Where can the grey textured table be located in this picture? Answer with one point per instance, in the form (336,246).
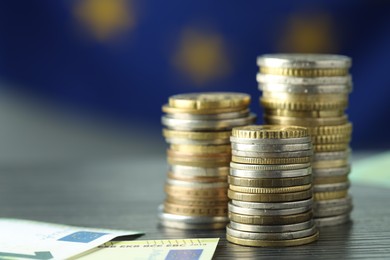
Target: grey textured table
(126,194)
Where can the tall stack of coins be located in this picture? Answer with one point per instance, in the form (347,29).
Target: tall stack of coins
(312,90)
(198,127)
(270,187)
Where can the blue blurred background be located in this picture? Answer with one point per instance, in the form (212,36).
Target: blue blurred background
(120,60)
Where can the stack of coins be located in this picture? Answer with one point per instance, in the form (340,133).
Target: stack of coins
(270,187)
(312,90)
(198,127)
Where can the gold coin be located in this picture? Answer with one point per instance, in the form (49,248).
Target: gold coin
(330,139)
(329,180)
(329,164)
(308,122)
(280,197)
(270,220)
(261,160)
(258,167)
(330,147)
(273,243)
(195,192)
(168,133)
(269,132)
(199,202)
(204,149)
(330,195)
(174,110)
(299,105)
(265,190)
(260,182)
(312,113)
(196,156)
(343,129)
(307,98)
(195,211)
(209,100)
(307,73)
(182,177)
(198,163)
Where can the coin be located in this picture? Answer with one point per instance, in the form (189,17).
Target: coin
(195,210)
(198,171)
(310,114)
(209,100)
(327,156)
(332,211)
(271,147)
(201,149)
(200,125)
(329,195)
(308,61)
(303,105)
(191,219)
(271,243)
(264,190)
(261,160)
(200,185)
(331,187)
(269,132)
(209,136)
(302,88)
(197,179)
(293,81)
(330,147)
(279,197)
(333,203)
(271,220)
(187,226)
(263,182)
(242,140)
(194,192)
(276,205)
(329,180)
(332,172)
(272,174)
(174,110)
(280,167)
(305,121)
(329,139)
(217,116)
(199,202)
(332,221)
(271,228)
(330,164)
(266,212)
(296,154)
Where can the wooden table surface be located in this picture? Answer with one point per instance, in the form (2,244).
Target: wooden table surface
(125,195)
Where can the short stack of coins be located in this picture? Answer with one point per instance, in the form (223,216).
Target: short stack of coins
(311,90)
(198,128)
(270,187)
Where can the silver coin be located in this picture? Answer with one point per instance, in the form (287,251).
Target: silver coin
(331,172)
(274,167)
(305,89)
(270,174)
(197,185)
(266,212)
(305,153)
(190,219)
(219,116)
(271,228)
(196,142)
(332,221)
(271,147)
(311,81)
(330,156)
(333,203)
(193,171)
(307,61)
(332,211)
(198,125)
(331,187)
(281,141)
(181,225)
(273,206)
(271,236)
